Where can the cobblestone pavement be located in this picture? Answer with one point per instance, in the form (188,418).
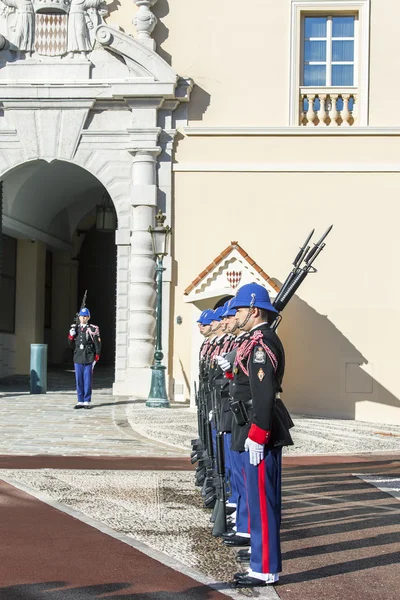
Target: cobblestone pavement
(48,424)
(120,426)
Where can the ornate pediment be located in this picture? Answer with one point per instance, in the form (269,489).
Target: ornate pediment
(228,271)
(39,39)
(141,60)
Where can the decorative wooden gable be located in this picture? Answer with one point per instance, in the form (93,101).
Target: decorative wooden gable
(228,271)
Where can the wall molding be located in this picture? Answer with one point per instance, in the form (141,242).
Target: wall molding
(290,131)
(306,167)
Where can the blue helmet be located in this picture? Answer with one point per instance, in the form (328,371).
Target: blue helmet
(84,312)
(217,314)
(225,306)
(228,310)
(200,319)
(207,316)
(253,294)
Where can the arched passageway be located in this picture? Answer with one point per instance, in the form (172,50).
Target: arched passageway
(97,274)
(49,213)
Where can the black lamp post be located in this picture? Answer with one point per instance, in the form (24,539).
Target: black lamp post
(160,237)
(106,219)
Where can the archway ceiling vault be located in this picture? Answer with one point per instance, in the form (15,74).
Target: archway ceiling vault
(51,197)
(47,193)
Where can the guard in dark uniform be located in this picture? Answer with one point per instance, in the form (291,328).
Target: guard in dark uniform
(262,430)
(221,383)
(238,388)
(86,343)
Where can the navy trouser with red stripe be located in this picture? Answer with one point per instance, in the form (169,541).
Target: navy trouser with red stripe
(83,377)
(228,468)
(239,474)
(264,496)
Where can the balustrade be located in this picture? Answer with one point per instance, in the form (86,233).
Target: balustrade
(328,107)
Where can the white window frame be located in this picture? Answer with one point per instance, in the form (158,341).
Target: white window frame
(301,8)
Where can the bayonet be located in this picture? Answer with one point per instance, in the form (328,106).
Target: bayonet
(83,305)
(299,273)
(303,251)
(313,252)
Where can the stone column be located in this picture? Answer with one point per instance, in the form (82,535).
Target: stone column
(140,318)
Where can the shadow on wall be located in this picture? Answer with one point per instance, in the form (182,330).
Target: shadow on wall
(113,6)
(200,100)
(325,373)
(161,32)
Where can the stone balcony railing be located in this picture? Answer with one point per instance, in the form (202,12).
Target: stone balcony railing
(328,107)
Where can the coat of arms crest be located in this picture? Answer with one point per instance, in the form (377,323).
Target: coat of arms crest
(51,27)
(234,278)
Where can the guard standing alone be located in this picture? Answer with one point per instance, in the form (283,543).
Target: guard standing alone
(86,343)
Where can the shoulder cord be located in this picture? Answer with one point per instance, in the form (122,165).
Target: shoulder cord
(204,348)
(245,349)
(220,349)
(91,332)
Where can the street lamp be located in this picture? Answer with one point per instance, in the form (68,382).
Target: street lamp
(106,219)
(160,237)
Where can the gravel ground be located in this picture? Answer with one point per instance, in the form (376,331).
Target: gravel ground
(162,509)
(178,426)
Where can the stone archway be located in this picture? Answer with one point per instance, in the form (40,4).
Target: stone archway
(49,208)
(114,114)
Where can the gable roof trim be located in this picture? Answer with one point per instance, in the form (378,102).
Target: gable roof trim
(217,260)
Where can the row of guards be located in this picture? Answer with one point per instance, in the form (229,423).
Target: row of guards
(243,423)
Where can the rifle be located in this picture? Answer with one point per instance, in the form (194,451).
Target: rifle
(219,513)
(83,305)
(198,445)
(298,273)
(201,446)
(296,264)
(208,486)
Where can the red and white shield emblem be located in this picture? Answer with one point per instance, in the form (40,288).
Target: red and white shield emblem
(51,34)
(234,278)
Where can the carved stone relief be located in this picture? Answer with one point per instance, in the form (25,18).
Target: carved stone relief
(51,27)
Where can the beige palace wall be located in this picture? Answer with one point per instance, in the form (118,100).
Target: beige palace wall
(341,333)
(267,190)
(238,55)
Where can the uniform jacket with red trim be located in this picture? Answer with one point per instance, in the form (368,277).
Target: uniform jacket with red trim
(265,376)
(86,344)
(269,419)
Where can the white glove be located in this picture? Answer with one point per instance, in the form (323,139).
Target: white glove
(210,415)
(72,332)
(256,451)
(224,364)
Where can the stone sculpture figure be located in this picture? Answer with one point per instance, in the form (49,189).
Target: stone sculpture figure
(79,23)
(22,31)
